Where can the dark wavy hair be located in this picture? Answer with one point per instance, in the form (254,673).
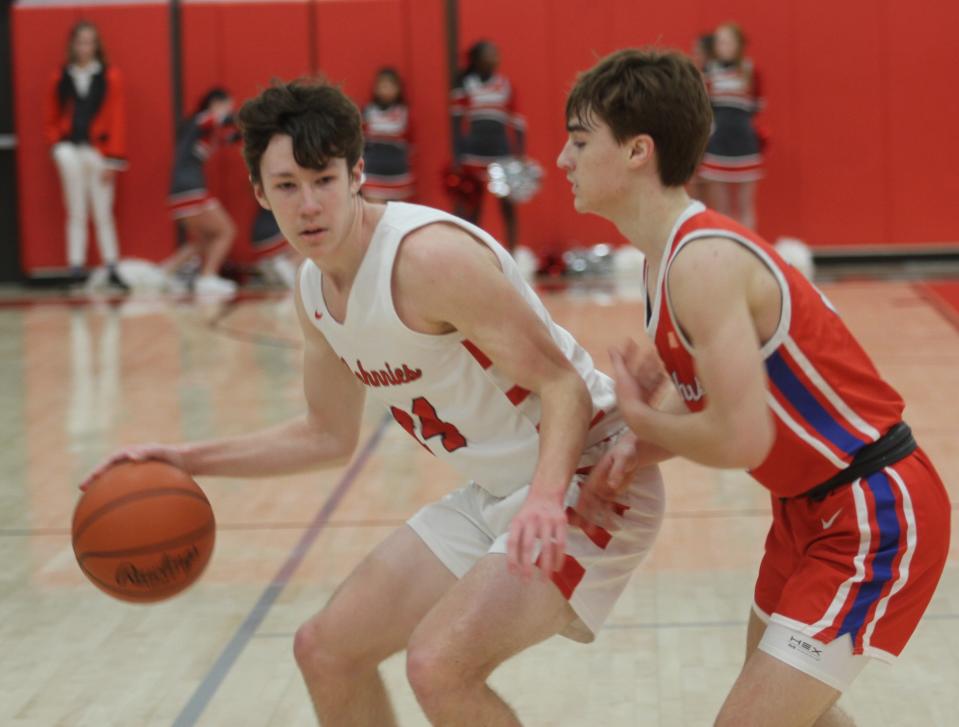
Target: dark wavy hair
(648,91)
(321,120)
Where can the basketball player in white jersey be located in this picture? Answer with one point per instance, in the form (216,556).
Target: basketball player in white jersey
(429,315)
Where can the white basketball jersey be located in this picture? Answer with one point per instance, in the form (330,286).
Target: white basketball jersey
(442,388)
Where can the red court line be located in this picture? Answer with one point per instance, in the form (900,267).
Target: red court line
(944,297)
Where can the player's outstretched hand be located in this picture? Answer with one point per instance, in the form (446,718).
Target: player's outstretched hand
(540,520)
(640,379)
(136,453)
(639,362)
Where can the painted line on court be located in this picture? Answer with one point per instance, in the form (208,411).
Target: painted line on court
(656,626)
(205,692)
(653,625)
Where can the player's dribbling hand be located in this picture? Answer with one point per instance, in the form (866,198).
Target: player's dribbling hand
(136,453)
(541,520)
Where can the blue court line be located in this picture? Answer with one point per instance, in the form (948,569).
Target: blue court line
(217,673)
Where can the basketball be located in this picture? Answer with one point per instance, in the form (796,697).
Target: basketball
(143,531)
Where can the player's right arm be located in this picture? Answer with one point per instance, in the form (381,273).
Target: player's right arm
(326,435)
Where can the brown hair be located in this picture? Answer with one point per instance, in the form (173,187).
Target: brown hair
(648,91)
(75,31)
(321,120)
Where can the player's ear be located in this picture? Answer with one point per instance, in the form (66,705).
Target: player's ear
(357,177)
(260,194)
(640,150)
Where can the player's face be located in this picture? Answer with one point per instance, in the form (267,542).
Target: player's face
(595,165)
(315,208)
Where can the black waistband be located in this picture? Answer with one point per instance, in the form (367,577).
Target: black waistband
(896,444)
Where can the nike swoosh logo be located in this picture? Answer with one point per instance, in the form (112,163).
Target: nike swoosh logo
(317,315)
(826,524)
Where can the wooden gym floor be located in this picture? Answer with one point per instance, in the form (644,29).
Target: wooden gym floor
(83,377)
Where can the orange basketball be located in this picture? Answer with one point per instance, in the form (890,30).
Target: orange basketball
(143,531)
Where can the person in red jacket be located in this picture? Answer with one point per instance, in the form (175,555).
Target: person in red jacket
(85,127)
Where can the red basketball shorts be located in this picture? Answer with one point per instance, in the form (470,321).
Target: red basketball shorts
(864,561)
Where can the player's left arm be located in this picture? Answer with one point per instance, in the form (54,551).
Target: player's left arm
(713,293)
(455,280)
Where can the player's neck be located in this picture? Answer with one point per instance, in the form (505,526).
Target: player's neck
(650,217)
(340,268)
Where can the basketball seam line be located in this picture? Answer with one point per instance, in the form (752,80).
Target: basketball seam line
(147,549)
(132,497)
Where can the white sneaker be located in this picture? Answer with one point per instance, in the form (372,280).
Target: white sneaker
(174,285)
(213,285)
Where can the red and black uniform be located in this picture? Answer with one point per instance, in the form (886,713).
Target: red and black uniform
(388,140)
(198,138)
(734,151)
(484,118)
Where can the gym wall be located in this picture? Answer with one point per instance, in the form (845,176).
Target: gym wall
(858,103)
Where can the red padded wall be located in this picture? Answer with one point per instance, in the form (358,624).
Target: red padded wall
(240,46)
(919,61)
(860,107)
(130,34)
(357,37)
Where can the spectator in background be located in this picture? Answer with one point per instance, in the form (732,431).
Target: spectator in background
(483,108)
(85,126)
(277,260)
(209,229)
(386,129)
(733,162)
(703,51)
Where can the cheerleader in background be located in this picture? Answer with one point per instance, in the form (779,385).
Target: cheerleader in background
(276,260)
(486,128)
(85,126)
(386,129)
(702,55)
(733,161)
(209,229)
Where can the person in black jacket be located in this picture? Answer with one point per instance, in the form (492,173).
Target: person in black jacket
(85,127)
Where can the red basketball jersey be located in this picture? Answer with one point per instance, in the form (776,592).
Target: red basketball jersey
(825,394)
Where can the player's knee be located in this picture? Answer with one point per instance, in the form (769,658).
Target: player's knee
(437,674)
(320,648)
(431,673)
(424,671)
(306,643)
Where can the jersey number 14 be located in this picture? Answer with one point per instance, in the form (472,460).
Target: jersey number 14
(430,425)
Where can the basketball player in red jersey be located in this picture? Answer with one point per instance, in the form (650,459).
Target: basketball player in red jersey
(745,364)
(429,315)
